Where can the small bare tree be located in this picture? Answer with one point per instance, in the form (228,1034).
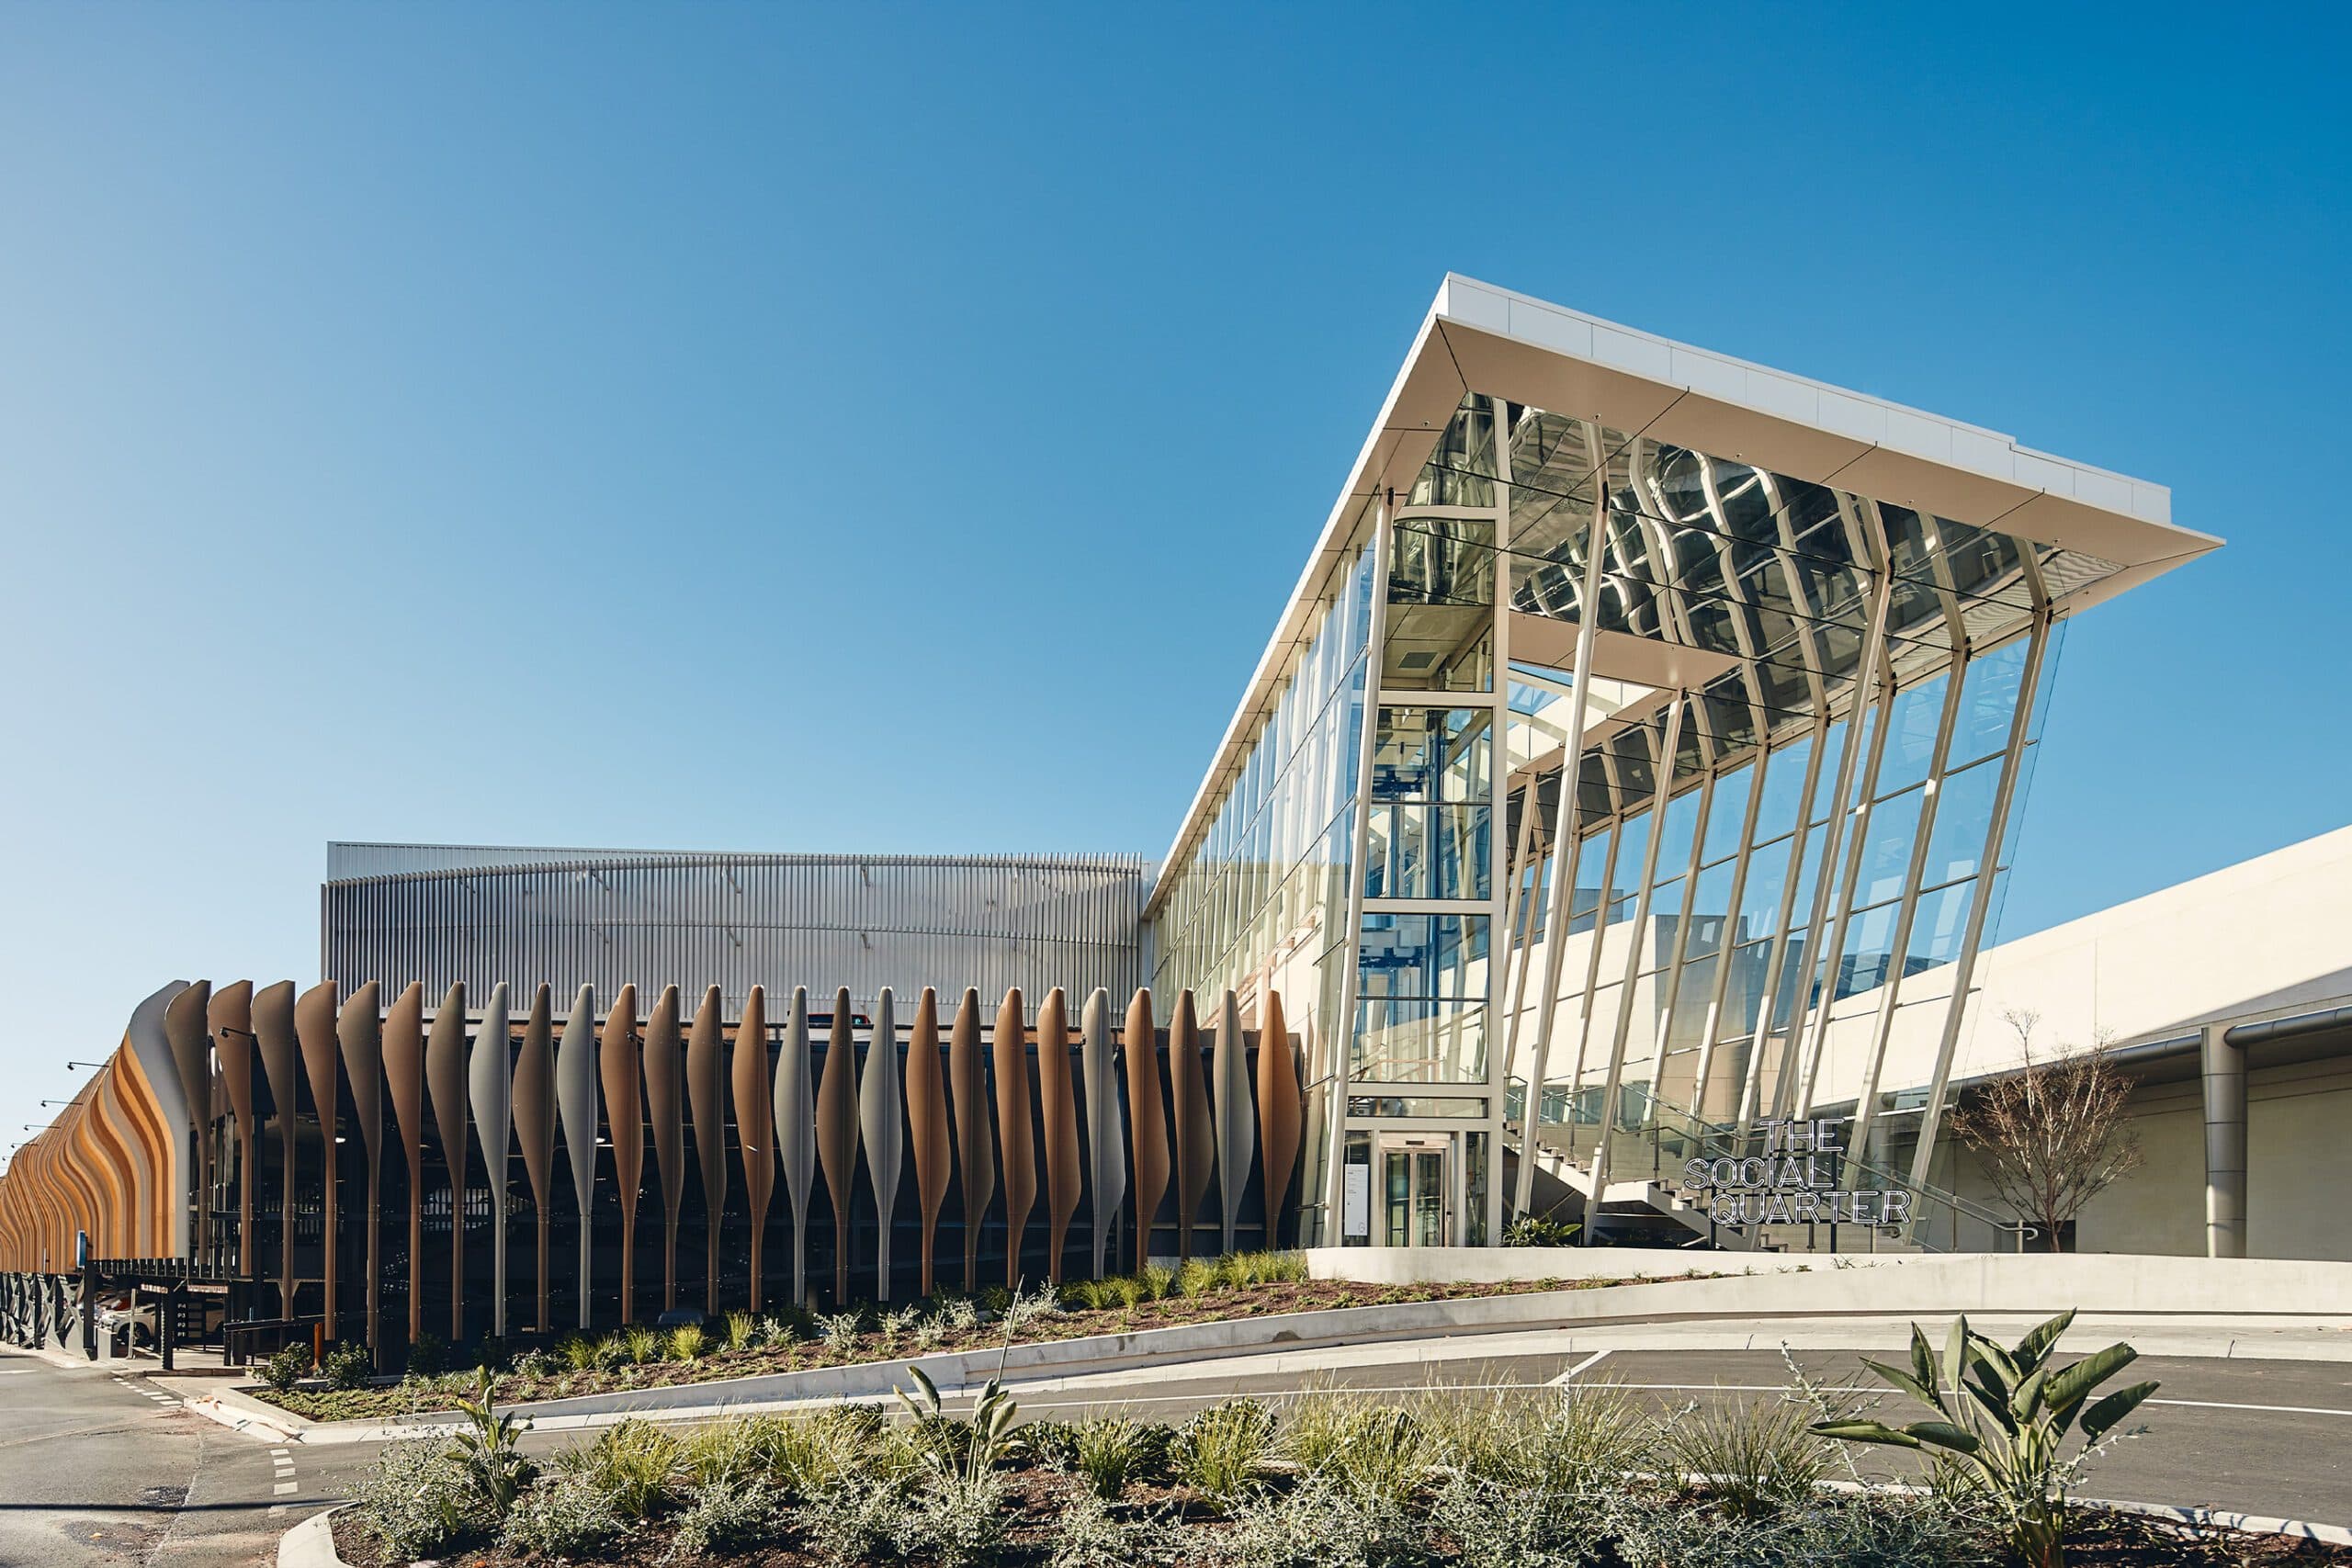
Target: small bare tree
(2052,1135)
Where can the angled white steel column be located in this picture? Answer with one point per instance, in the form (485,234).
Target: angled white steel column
(1776,956)
(1826,962)
(1564,833)
(1672,738)
(1987,868)
(1499,887)
(1342,1029)
(1712,1021)
(1906,912)
(1515,922)
(1671,975)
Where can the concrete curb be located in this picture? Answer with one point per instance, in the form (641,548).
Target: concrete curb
(2211,1519)
(311,1544)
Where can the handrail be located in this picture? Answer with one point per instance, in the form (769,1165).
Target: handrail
(1661,1123)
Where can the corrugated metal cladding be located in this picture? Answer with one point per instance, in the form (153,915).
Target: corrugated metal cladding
(822,922)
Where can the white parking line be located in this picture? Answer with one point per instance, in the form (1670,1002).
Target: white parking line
(1785,1388)
(1570,1375)
(282,1488)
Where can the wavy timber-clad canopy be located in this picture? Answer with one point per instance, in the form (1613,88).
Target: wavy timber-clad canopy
(1028,1112)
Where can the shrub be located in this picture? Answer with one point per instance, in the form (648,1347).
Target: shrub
(629,1465)
(1220,1451)
(1591,1438)
(2007,1422)
(955,1519)
(839,1331)
(1053,1444)
(1110,1453)
(1088,1295)
(1126,1290)
(727,1516)
(1021,1311)
(1319,1525)
(287,1368)
(417,1501)
(1670,1534)
(639,1343)
(1382,1455)
(1895,1531)
(579,1353)
(1754,1459)
(1198,1277)
(687,1342)
(1155,1281)
(857,1522)
(1538,1230)
(959,1313)
(1490,1525)
(488,1448)
(897,1324)
(1088,1535)
(348,1367)
(561,1515)
(930,1334)
(428,1355)
(739,1330)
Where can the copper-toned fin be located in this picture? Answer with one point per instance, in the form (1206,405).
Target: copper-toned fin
(622,1072)
(150,1055)
(665,1107)
(1141,1042)
(404,1072)
(705,1092)
(445,1081)
(881,1130)
(927,1122)
(314,1027)
(274,1038)
(1281,1112)
(534,1128)
(837,1134)
(1195,1135)
(1106,1133)
(1018,1144)
(185,1026)
(755,1123)
(1057,1114)
(1237,1119)
(489,1094)
(230,1021)
(575,1100)
(974,1144)
(359,1029)
(795,1133)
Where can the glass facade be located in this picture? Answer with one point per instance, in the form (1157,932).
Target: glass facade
(1763,848)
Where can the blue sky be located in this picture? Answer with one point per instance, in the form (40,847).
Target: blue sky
(896,428)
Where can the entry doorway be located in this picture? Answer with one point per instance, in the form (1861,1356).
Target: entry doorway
(1420,1184)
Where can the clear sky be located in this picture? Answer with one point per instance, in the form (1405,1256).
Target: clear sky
(896,428)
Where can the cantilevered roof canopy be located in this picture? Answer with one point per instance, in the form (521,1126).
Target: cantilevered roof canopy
(1480,339)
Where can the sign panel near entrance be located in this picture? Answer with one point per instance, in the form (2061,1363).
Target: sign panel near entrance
(1355,1209)
(1793,1181)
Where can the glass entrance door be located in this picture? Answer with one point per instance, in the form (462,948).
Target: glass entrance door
(1417,1186)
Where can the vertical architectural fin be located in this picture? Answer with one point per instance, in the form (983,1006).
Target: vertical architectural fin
(1195,1135)
(1237,1121)
(1058,1115)
(1141,1041)
(754,1124)
(1281,1112)
(795,1133)
(575,1102)
(837,1133)
(185,1028)
(622,1072)
(359,1029)
(274,1038)
(314,1027)
(1106,1133)
(534,1128)
(230,1021)
(927,1123)
(881,1128)
(1020,1153)
(445,1081)
(705,1101)
(665,1107)
(975,1145)
(489,1090)
(404,1073)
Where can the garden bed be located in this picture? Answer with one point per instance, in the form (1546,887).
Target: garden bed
(1587,1476)
(739,1346)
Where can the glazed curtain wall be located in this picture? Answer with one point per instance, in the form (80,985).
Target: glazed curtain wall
(397,1169)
